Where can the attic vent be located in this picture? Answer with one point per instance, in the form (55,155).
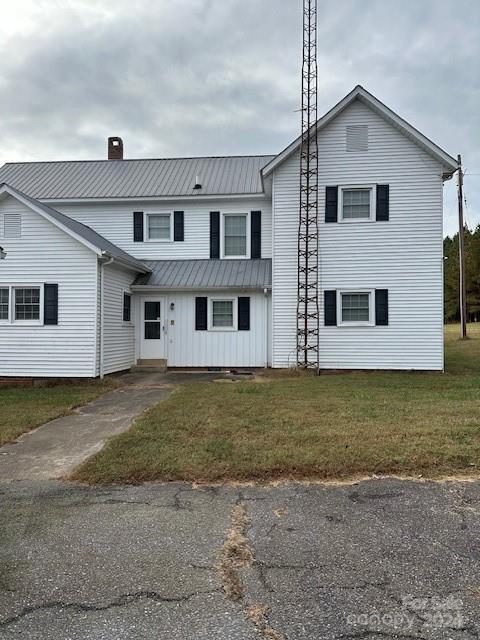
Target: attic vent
(357,137)
(12,225)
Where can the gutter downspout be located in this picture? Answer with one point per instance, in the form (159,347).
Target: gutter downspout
(103,262)
(267,322)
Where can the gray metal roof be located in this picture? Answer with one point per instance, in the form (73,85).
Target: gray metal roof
(87,233)
(136,178)
(208,274)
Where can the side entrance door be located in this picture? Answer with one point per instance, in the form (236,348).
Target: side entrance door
(153,328)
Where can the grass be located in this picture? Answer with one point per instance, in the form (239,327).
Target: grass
(23,409)
(339,426)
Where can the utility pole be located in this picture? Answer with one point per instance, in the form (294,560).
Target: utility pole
(461,252)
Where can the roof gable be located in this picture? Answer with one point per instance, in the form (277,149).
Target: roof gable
(359,93)
(85,235)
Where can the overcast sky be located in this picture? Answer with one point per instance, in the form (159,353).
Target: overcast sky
(215,77)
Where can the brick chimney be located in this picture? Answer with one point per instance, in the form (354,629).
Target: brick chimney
(115,148)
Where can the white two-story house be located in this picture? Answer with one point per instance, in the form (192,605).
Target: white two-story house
(194,260)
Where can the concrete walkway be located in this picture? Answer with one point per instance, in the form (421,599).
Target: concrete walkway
(57,447)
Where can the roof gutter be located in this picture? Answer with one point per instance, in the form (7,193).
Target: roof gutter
(135,266)
(165,287)
(203,197)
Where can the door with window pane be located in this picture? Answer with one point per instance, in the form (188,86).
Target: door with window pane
(153,328)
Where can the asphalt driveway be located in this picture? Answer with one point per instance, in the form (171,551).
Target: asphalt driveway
(379,559)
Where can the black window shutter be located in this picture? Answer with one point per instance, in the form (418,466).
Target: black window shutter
(330,308)
(138,226)
(383,197)
(214,234)
(50,304)
(178,232)
(244,314)
(201,314)
(381,306)
(256,234)
(331,204)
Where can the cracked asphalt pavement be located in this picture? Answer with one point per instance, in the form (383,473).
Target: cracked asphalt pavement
(382,558)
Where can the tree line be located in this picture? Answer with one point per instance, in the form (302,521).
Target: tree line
(472,276)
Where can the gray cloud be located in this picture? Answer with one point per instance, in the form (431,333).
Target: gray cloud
(199,77)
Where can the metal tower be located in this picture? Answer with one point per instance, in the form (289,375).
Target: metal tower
(307,299)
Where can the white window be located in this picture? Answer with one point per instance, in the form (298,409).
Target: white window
(4,303)
(357,203)
(27,303)
(235,236)
(159,227)
(355,307)
(223,314)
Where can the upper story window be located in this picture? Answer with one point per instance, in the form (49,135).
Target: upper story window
(357,203)
(235,237)
(27,303)
(159,227)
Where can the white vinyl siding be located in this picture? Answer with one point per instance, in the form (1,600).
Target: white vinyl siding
(403,255)
(187,347)
(42,254)
(115,222)
(118,336)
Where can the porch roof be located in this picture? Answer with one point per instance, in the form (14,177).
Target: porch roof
(194,275)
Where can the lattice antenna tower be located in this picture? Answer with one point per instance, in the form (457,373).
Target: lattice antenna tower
(308,272)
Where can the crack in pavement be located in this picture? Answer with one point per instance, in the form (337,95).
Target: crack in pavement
(236,554)
(121,601)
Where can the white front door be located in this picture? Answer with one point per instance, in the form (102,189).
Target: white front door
(152,328)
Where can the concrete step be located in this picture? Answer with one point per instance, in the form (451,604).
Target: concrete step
(159,364)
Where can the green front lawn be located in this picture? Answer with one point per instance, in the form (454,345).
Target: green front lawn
(331,426)
(23,409)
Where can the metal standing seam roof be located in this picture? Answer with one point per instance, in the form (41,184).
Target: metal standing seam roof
(229,175)
(87,233)
(208,274)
